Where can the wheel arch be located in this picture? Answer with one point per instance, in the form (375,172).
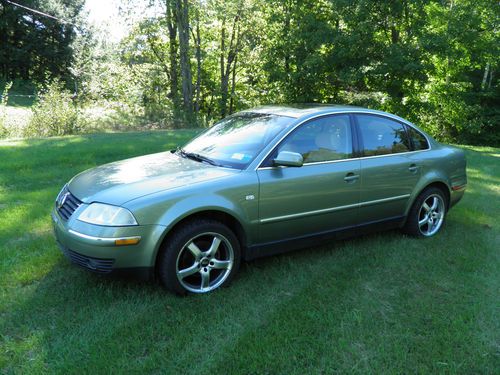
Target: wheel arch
(440,184)
(211,214)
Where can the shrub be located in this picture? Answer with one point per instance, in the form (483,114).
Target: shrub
(54,113)
(4,131)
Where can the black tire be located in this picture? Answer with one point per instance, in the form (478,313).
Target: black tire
(415,223)
(174,267)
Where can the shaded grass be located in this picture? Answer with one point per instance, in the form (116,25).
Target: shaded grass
(383,303)
(19,100)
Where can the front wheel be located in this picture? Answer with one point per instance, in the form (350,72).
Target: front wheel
(427,214)
(199,257)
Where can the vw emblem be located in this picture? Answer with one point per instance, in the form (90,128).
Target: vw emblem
(62,200)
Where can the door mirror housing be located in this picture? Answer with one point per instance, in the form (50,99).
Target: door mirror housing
(289,159)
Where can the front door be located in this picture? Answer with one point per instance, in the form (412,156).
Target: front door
(320,196)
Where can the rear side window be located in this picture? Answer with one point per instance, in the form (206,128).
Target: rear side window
(418,139)
(382,136)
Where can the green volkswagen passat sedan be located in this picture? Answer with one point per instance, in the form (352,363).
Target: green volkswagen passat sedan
(257,183)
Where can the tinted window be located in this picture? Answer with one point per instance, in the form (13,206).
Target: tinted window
(418,139)
(236,140)
(324,139)
(381,136)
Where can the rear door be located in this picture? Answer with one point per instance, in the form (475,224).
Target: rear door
(320,196)
(388,175)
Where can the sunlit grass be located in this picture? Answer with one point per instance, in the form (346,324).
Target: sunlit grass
(383,303)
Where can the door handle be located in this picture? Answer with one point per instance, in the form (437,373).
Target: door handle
(351,177)
(413,168)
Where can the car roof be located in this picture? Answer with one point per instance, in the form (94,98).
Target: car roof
(306,110)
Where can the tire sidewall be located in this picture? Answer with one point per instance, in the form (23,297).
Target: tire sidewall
(412,228)
(167,263)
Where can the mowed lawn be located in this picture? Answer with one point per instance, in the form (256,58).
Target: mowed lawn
(383,303)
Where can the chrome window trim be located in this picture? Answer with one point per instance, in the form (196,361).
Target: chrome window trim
(344,160)
(340,112)
(402,122)
(332,209)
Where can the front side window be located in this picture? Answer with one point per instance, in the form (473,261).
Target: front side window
(235,141)
(382,136)
(324,139)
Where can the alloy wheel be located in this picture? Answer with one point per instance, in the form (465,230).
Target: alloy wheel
(204,262)
(431,215)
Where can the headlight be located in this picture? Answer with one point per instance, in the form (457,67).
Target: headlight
(104,214)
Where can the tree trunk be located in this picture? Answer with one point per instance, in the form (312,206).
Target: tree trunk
(225,67)
(3,42)
(183,27)
(233,86)
(485,76)
(287,10)
(198,63)
(394,35)
(173,47)
(448,62)
(223,84)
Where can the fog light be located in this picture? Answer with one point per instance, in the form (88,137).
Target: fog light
(127,241)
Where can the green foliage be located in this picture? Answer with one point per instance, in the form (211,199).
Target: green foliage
(21,93)
(33,45)
(4,131)
(54,113)
(433,62)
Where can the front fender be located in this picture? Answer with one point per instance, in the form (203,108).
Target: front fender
(237,196)
(198,203)
(194,205)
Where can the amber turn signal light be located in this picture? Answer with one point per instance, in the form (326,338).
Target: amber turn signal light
(127,241)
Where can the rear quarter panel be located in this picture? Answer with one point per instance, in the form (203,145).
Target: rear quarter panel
(442,164)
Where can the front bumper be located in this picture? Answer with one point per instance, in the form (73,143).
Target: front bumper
(93,246)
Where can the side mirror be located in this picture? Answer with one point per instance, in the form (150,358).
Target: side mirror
(289,159)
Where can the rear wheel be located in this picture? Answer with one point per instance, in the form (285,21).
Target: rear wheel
(427,214)
(199,257)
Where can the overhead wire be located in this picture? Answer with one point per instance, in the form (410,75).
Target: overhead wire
(39,12)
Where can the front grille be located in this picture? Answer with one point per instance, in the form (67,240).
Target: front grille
(98,265)
(67,203)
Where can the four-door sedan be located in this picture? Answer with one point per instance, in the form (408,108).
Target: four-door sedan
(257,183)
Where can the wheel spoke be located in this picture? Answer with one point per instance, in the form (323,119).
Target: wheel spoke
(221,264)
(424,221)
(205,279)
(214,247)
(426,207)
(194,249)
(188,271)
(435,202)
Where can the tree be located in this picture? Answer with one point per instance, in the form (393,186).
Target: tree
(182,8)
(33,45)
(432,61)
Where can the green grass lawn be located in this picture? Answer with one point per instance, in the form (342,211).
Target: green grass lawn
(383,303)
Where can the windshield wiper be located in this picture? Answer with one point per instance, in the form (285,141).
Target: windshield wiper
(196,157)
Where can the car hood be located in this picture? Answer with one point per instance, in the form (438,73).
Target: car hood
(122,181)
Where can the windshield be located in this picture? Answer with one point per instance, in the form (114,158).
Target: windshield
(235,141)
